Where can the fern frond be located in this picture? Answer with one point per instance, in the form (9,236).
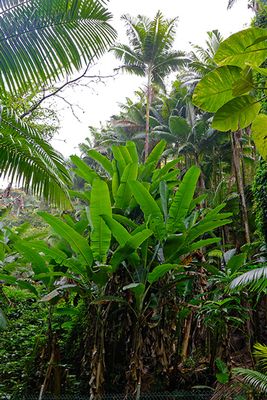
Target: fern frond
(255,379)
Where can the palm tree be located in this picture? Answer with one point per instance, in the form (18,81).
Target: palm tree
(149,54)
(252,4)
(42,41)
(201,59)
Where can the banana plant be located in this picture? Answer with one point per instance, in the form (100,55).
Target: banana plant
(137,226)
(154,224)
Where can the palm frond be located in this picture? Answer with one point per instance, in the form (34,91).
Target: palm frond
(40,41)
(230,4)
(255,379)
(170,62)
(256,277)
(161,33)
(27,159)
(136,29)
(260,353)
(128,55)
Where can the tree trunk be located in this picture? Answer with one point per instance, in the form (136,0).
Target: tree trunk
(235,140)
(148,104)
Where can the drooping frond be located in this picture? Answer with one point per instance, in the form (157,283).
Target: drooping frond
(256,277)
(201,59)
(169,62)
(27,159)
(253,378)
(132,61)
(41,40)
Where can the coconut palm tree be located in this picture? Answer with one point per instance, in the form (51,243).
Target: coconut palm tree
(41,41)
(149,54)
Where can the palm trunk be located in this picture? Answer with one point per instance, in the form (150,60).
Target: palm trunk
(235,139)
(148,104)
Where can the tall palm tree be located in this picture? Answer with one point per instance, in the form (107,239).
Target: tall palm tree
(42,41)
(149,54)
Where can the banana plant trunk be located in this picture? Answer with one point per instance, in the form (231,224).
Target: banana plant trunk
(186,338)
(148,104)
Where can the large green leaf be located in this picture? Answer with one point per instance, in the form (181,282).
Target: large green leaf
(259,134)
(203,227)
(102,160)
(76,241)
(120,160)
(38,262)
(148,205)
(131,147)
(129,247)
(118,231)
(160,172)
(51,253)
(124,193)
(115,179)
(203,243)
(243,48)
(182,200)
(152,160)
(244,84)
(124,220)
(160,270)
(216,88)
(83,170)
(100,204)
(236,114)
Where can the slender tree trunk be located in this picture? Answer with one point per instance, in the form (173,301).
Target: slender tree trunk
(235,139)
(148,104)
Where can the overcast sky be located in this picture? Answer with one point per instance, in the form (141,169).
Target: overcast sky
(100,101)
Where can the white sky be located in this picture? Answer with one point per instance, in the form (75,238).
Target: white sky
(100,101)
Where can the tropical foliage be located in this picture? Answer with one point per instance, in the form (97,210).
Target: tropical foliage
(155,279)
(33,37)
